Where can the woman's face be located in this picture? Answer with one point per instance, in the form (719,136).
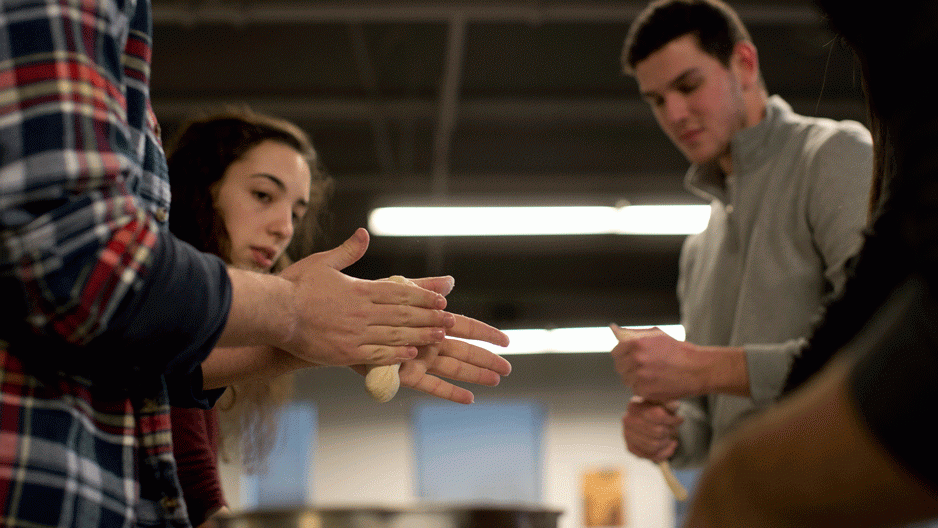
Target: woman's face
(261,198)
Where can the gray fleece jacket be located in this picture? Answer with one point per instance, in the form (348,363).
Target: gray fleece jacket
(781,228)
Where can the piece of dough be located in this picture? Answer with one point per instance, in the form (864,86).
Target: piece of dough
(383,381)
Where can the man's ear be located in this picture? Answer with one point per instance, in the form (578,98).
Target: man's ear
(745,61)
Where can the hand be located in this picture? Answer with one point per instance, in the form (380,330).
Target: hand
(341,320)
(650,429)
(655,365)
(455,359)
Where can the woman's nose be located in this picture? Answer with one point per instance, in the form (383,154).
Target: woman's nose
(282,225)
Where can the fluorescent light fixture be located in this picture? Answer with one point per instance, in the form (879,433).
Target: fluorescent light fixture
(567,220)
(566,340)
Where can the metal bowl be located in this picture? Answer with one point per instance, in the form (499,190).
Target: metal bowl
(441,516)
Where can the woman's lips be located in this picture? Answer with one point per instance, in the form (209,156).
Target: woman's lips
(263,257)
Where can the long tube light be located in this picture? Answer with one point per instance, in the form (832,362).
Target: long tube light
(567,220)
(566,340)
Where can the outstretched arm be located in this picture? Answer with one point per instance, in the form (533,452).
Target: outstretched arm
(315,312)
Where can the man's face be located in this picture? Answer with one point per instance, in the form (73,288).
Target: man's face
(696,100)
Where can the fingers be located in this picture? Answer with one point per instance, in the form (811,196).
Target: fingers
(442,285)
(441,389)
(411,316)
(459,371)
(399,335)
(349,252)
(473,355)
(468,328)
(650,430)
(395,293)
(415,377)
(623,362)
(648,444)
(452,359)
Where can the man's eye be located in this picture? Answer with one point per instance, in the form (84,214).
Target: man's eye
(689,87)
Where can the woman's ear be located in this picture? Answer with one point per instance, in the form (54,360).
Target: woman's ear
(745,61)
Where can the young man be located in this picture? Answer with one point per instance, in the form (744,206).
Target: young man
(105,317)
(787,196)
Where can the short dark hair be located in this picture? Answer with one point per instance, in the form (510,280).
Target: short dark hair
(715,24)
(201,152)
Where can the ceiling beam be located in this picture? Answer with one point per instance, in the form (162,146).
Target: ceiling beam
(369,78)
(493,110)
(296,12)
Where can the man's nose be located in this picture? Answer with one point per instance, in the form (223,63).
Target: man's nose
(675,109)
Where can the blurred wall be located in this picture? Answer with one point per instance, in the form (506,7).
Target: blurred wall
(365,450)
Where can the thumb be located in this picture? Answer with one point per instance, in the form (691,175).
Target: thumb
(622,334)
(349,252)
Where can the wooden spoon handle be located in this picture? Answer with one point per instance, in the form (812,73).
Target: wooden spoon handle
(680,493)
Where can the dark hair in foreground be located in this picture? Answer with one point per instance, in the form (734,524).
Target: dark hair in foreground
(902,239)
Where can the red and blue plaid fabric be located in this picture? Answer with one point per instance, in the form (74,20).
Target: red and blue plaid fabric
(83,196)
(74,455)
(79,148)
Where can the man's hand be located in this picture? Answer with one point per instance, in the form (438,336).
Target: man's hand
(651,429)
(341,320)
(657,366)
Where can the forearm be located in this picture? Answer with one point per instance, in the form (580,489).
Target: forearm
(721,370)
(751,371)
(262,310)
(230,365)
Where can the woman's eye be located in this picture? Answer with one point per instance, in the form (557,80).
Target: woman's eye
(262,196)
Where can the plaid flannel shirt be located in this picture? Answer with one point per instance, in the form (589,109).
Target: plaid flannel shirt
(104,317)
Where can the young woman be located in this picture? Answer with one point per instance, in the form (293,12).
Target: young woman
(245,186)
(249,188)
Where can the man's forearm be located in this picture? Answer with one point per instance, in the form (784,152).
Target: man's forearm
(723,370)
(262,310)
